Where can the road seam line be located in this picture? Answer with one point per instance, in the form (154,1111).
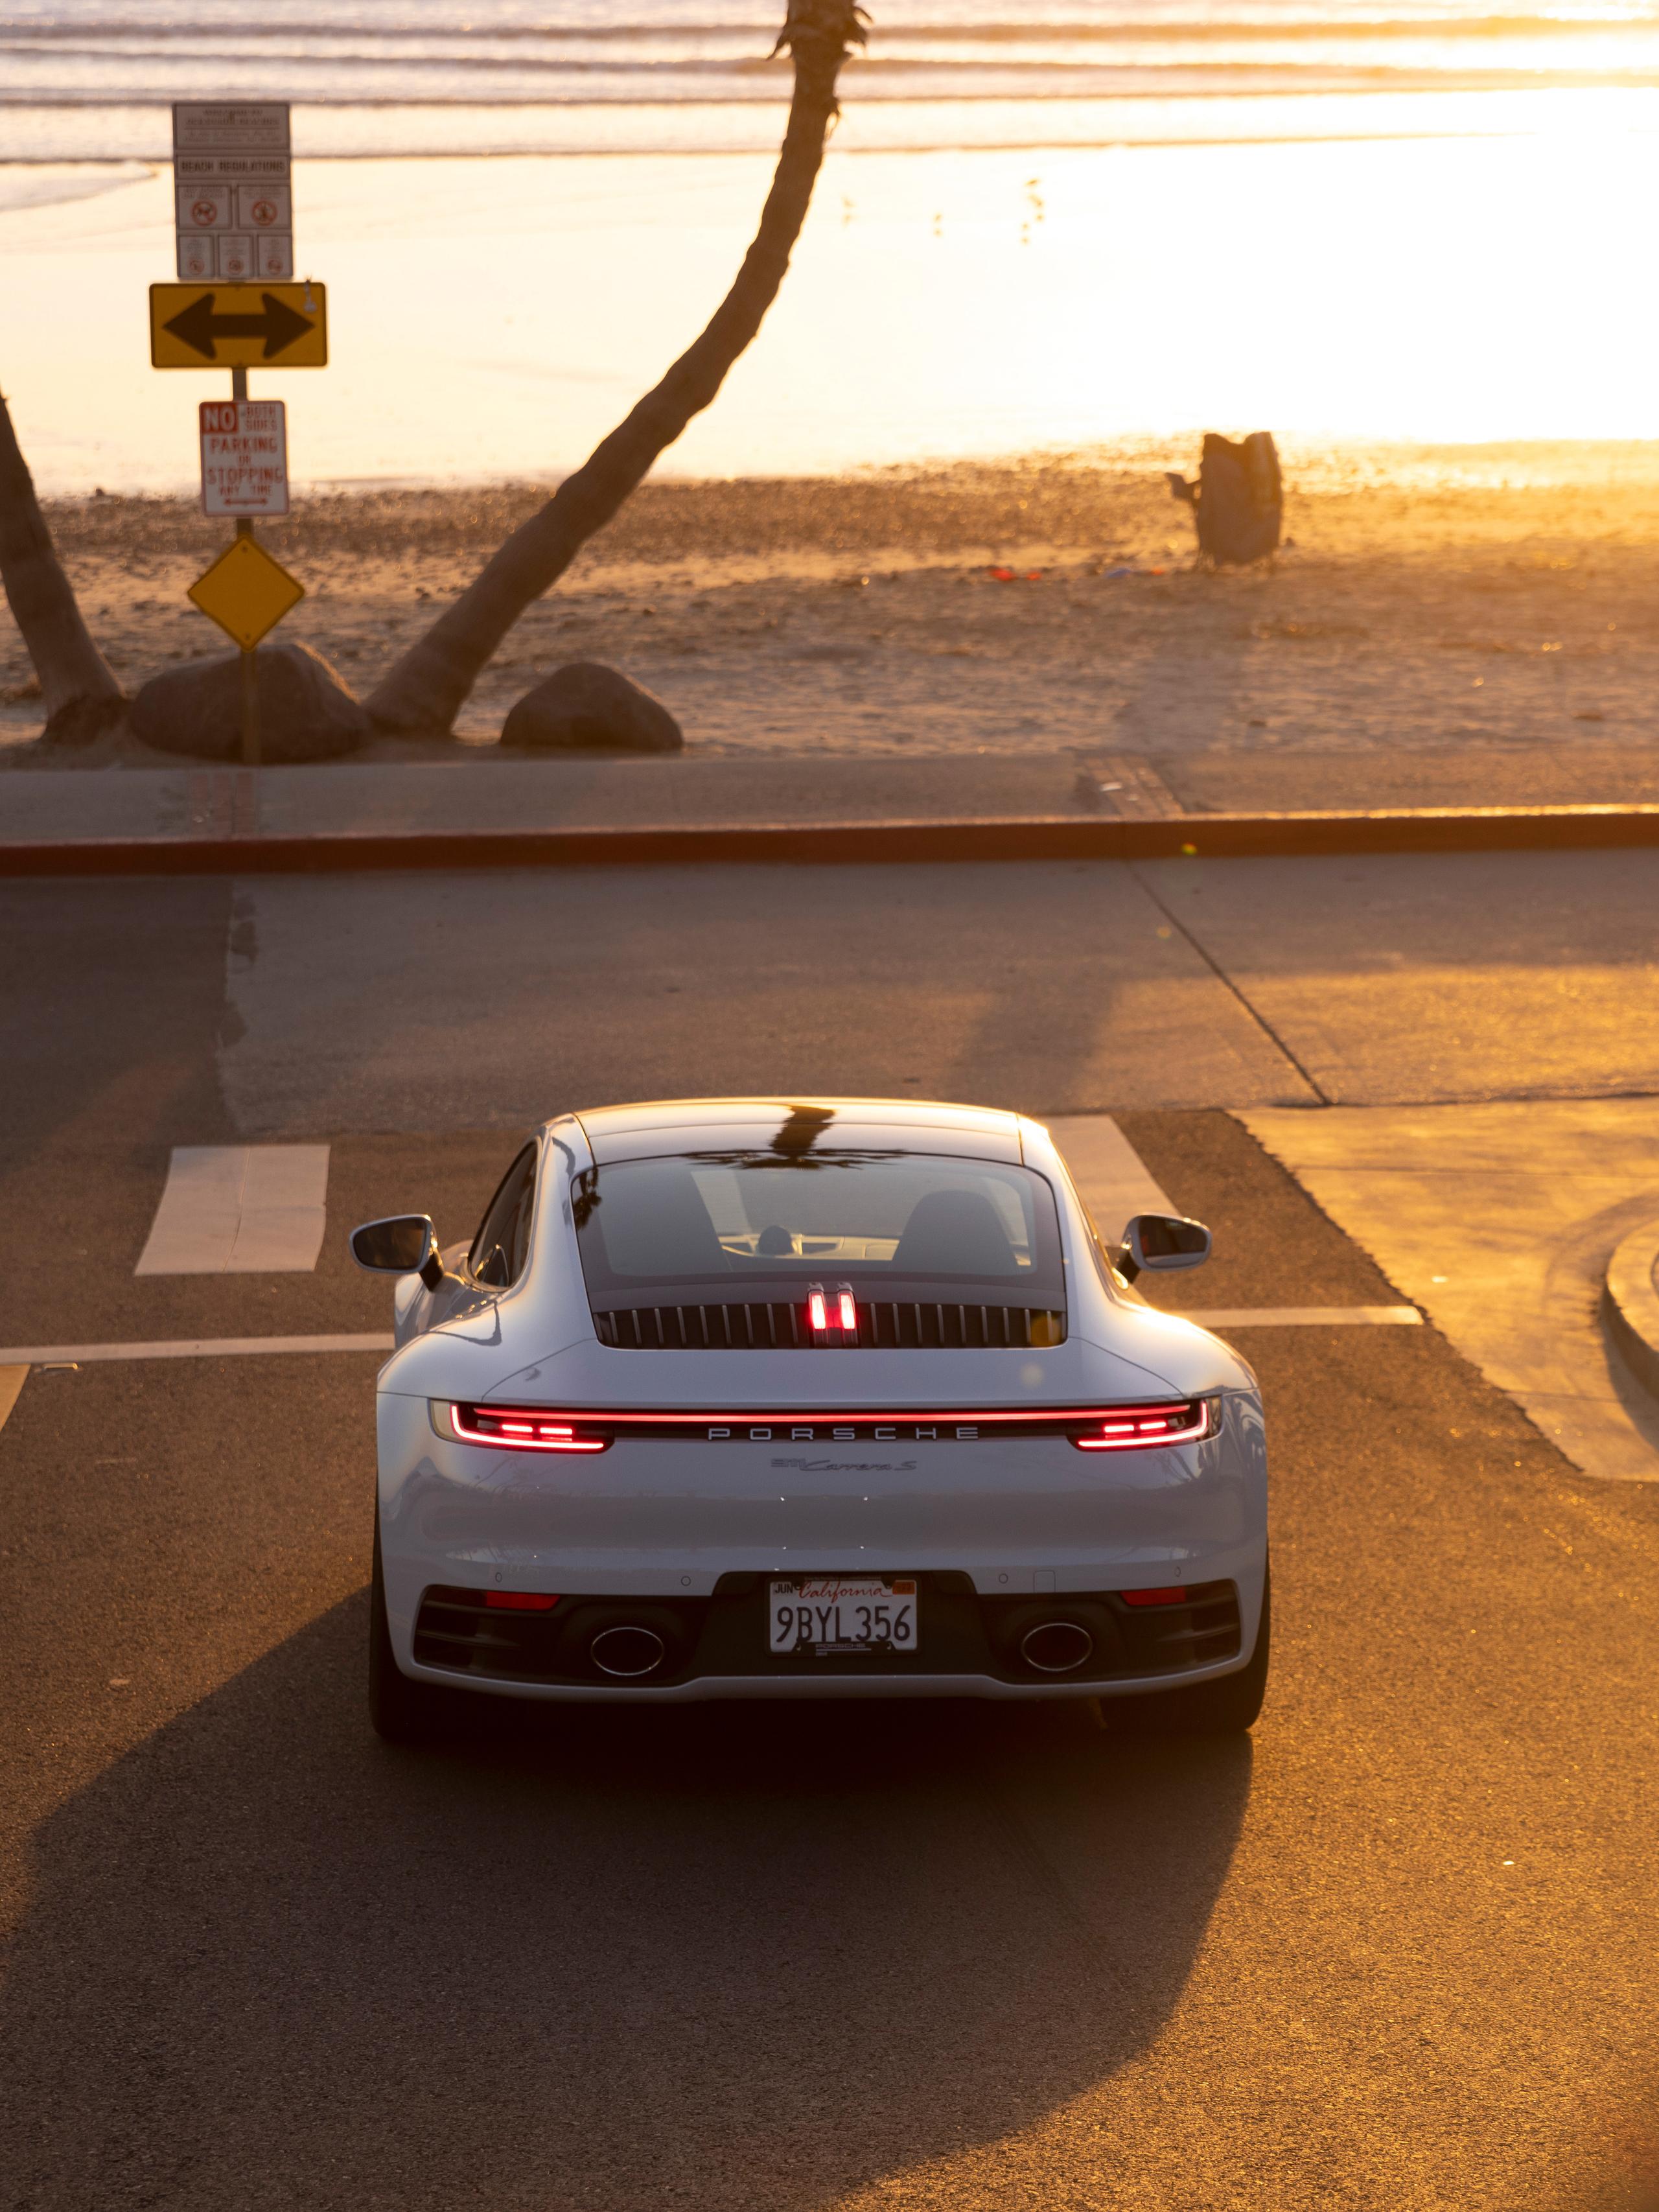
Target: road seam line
(1227,983)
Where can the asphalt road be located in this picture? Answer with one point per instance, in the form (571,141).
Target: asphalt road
(1397,1951)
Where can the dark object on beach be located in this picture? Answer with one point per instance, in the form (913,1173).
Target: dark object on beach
(81,698)
(424,688)
(585,704)
(1238,502)
(306,712)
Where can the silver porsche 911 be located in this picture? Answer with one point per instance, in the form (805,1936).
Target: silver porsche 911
(843,1398)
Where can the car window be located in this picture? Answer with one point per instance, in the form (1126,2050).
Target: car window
(753,1224)
(502,1244)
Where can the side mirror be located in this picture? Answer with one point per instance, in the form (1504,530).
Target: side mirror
(1163,1240)
(403,1244)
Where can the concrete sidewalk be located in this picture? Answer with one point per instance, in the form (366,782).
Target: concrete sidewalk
(484,790)
(487,810)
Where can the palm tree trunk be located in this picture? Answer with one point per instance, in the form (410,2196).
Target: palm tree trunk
(81,697)
(426,688)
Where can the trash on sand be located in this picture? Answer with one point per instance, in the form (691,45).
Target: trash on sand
(1012,576)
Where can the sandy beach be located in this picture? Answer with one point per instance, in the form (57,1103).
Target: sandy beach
(1438,622)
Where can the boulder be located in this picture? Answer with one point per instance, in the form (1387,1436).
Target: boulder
(585,704)
(306,712)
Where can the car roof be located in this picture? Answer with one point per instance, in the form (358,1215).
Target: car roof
(794,1125)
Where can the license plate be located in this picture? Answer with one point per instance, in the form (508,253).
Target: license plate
(829,1614)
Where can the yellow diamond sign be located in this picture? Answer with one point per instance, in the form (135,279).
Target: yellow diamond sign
(247,593)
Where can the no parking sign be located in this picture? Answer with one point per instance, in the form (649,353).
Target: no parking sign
(244,457)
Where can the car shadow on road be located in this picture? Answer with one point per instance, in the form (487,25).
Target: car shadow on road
(720,1955)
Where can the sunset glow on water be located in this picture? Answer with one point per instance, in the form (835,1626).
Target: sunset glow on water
(1097,223)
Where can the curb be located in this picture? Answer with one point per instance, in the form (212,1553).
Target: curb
(1629,1303)
(1042,837)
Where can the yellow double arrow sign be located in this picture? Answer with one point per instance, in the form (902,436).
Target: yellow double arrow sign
(238,326)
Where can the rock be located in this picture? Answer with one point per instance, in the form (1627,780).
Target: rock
(586,704)
(306,712)
(1238,502)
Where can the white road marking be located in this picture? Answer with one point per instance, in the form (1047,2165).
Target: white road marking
(12,1379)
(239,1210)
(199,1347)
(1308,1317)
(1114,1181)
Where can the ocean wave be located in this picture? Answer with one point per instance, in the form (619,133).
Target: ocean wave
(49,184)
(1140,29)
(400,130)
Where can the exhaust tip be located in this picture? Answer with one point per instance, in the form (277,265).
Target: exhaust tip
(1056,1647)
(626,1652)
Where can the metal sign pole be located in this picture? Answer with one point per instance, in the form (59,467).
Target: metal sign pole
(250,656)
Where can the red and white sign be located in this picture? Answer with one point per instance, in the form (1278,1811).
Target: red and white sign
(233,204)
(244,457)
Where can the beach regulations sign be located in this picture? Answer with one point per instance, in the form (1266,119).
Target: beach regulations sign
(233,190)
(244,457)
(238,326)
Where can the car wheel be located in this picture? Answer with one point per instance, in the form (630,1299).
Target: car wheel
(1227,1707)
(401,1711)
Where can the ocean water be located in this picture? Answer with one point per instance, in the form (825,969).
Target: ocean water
(1079,226)
(92,79)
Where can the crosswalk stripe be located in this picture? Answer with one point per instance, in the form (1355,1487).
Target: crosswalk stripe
(239,1210)
(1115,1182)
(190,1348)
(1308,1317)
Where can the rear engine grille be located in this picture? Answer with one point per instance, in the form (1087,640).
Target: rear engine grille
(884,1325)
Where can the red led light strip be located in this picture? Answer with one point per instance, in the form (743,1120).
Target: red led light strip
(1113,1428)
(515,1428)
(1132,1428)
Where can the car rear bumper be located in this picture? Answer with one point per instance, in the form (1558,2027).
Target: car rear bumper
(710,1688)
(968,1643)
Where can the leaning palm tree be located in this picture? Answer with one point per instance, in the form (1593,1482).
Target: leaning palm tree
(426,688)
(79,695)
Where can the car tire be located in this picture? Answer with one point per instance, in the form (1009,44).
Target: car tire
(400,1710)
(1227,1707)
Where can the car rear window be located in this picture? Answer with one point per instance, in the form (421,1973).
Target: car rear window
(713,1226)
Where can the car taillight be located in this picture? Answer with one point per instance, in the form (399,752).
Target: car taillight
(1154,1597)
(523,1428)
(1134,1428)
(520,1601)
